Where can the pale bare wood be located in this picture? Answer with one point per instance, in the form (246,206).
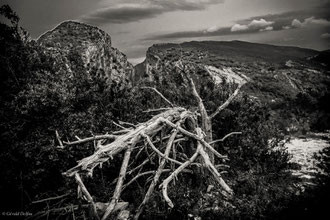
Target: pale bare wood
(120,181)
(50,198)
(96,137)
(139,166)
(158,152)
(176,172)
(127,123)
(121,143)
(192,135)
(143,174)
(87,195)
(156,110)
(227,102)
(214,171)
(206,120)
(159,170)
(122,127)
(159,93)
(149,130)
(59,139)
(225,137)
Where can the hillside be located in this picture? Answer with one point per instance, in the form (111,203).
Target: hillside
(323,57)
(86,138)
(92,45)
(279,76)
(275,71)
(245,51)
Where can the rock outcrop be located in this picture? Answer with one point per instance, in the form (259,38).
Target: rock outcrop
(94,48)
(274,72)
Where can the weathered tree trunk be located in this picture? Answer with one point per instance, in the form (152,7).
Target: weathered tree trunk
(205,119)
(147,135)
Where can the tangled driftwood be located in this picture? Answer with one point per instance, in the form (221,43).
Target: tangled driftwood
(176,126)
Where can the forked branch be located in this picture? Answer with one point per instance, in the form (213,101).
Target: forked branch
(227,102)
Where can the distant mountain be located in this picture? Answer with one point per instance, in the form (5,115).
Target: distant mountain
(92,45)
(294,82)
(275,72)
(246,51)
(278,76)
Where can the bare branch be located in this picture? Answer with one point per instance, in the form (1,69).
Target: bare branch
(189,134)
(127,123)
(50,198)
(175,173)
(122,142)
(159,170)
(206,120)
(86,193)
(159,93)
(214,171)
(158,152)
(156,110)
(225,137)
(96,137)
(120,181)
(120,126)
(209,147)
(227,102)
(59,140)
(141,165)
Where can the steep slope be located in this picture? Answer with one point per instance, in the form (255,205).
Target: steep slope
(292,81)
(274,72)
(92,45)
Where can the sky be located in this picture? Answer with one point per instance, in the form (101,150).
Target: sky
(135,25)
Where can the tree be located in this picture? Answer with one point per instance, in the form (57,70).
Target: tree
(172,126)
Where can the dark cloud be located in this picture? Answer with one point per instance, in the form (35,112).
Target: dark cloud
(191,34)
(38,16)
(272,22)
(130,12)
(122,14)
(285,19)
(236,29)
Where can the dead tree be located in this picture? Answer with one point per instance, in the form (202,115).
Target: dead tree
(145,136)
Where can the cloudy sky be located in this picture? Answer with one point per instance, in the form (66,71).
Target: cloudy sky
(134,25)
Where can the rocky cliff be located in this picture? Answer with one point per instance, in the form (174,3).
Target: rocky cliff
(294,82)
(274,72)
(92,45)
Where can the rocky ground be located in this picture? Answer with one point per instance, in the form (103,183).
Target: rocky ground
(303,150)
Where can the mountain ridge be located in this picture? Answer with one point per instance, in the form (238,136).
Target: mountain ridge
(92,44)
(281,77)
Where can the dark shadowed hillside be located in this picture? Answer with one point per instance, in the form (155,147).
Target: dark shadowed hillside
(246,51)
(323,57)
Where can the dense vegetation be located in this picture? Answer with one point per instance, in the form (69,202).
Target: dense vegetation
(38,99)
(293,81)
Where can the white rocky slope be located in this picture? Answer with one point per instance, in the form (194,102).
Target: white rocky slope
(303,151)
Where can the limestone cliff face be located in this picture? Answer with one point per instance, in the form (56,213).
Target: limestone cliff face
(92,45)
(273,73)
